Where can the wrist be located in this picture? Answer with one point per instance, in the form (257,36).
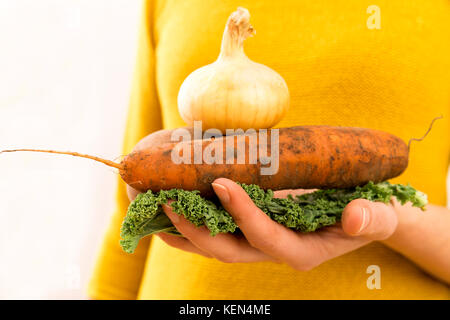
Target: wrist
(408,218)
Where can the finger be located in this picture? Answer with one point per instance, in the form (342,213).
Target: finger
(372,220)
(292,192)
(132,193)
(261,232)
(223,247)
(181,243)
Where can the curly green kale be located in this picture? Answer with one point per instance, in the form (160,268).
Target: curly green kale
(305,213)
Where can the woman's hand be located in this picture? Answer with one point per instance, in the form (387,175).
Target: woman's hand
(265,240)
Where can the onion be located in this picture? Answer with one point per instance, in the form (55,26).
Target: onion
(234,92)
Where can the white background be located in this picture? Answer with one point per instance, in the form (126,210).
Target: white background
(65,77)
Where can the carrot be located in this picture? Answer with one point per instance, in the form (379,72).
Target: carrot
(309,157)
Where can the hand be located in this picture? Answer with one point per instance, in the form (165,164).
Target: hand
(265,240)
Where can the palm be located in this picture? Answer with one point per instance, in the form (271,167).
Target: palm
(263,239)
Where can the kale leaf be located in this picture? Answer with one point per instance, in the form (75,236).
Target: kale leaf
(305,213)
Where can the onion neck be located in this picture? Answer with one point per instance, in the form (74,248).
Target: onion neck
(237,29)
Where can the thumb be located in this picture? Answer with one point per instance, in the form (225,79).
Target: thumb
(371,220)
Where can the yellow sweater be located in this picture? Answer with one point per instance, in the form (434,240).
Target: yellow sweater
(339,72)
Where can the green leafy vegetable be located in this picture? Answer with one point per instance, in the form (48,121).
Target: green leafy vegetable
(305,213)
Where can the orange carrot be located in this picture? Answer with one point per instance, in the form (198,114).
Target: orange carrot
(309,157)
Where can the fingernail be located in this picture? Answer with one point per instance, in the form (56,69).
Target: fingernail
(172,215)
(365,220)
(221,192)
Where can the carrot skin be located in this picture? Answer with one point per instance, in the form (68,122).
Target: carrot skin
(309,157)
